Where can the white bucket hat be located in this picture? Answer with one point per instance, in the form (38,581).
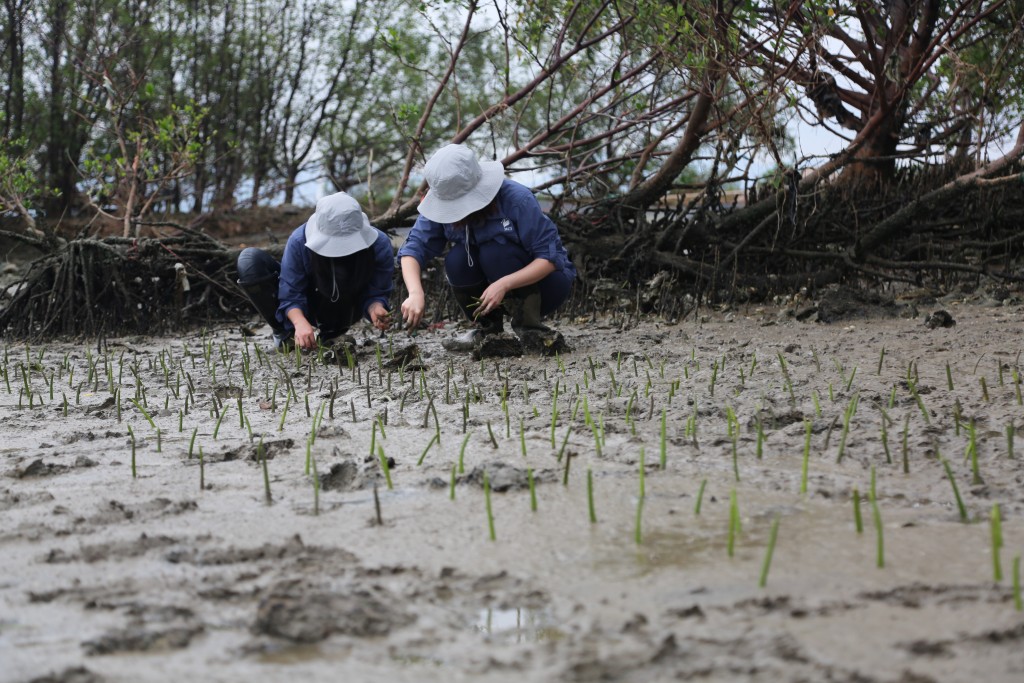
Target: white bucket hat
(338,227)
(459,184)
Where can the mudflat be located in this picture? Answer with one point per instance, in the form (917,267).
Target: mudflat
(195,508)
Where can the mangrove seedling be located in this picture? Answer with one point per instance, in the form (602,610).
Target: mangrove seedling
(487,501)
(766,565)
(1017,601)
(451,486)
(384,465)
(807,456)
(956,490)
(430,443)
(700,497)
(734,521)
(533,489)
(590,496)
(261,455)
(877,515)
(858,522)
(462,453)
(131,435)
(995,522)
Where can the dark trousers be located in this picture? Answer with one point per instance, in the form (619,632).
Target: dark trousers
(492,261)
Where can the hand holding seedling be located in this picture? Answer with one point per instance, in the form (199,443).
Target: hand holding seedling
(305,336)
(412,310)
(379,316)
(492,297)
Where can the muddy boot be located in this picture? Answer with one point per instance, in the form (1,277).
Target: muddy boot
(524,307)
(492,323)
(263,296)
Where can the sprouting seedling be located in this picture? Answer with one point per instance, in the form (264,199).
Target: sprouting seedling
(487,501)
(1018,603)
(700,497)
(734,522)
(590,496)
(903,444)
(850,410)
(202,469)
(131,435)
(430,443)
(972,452)
(462,453)
(261,455)
(384,465)
(849,381)
(807,456)
(1009,436)
(885,437)
(956,490)
(984,389)
(997,543)
(220,419)
(284,411)
(663,452)
(1016,387)
(522,437)
(949,377)
(877,515)
(451,485)
(759,448)
(565,440)
(858,522)
(533,489)
(714,377)
(490,433)
(881,359)
(769,551)
(316,489)
(565,472)
(920,402)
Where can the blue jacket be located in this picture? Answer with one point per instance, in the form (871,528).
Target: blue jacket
(519,221)
(296,275)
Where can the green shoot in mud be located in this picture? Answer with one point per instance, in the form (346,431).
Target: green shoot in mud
(261,457)
(384,465)
(220,419)
(590,496)
(490,511)
(972,453)
(430,443)
(316,487)
(202,469)
(192,442)
(565,471)
(984,389)
(462,453)
(949,377)
(700,497)
(877,515)
(996,525)
(533,489)
(769,551)
(734,522)
(131,435)
(565,440)
(451,485)
(807,456)
(1009,437)
(858,522)
(1018,603)
(956,490)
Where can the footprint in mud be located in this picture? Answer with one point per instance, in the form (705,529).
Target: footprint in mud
(37,469)
(74,674)
(134,639)
(504,477)
(303,612)
(251,451)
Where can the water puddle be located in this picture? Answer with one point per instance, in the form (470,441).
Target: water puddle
(519,625)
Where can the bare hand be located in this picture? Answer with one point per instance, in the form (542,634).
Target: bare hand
(305,336)
(412,310)
(379,316)
(492,297)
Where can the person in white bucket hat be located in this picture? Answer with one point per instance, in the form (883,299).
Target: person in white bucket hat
(336,267)
(505,254)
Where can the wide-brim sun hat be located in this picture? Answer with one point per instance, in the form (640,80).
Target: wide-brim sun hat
(338,227)
(459,184)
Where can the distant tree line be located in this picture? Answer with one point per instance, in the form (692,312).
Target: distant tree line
(635,116)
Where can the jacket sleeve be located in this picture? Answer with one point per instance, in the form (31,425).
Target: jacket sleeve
(425,241)
(294,278)
(383,279)
(536,231)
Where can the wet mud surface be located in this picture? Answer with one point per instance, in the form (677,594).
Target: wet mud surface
(125,556)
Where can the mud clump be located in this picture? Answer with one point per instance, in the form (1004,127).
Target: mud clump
(304,613)
(134,639)
(75,674)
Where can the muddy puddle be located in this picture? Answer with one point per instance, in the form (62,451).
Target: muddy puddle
(283,551)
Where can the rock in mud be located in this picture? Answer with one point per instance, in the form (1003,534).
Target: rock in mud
(304,613)
(498,346)
(501,476)
(939,319)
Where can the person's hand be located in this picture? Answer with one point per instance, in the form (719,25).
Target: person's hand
(379,316)
(412,310)
(492,297)
(305,336)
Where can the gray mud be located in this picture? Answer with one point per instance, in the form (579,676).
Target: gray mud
(109,577)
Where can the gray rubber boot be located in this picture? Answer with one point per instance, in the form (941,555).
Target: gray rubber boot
(492,323)
(524,306)
(263,296)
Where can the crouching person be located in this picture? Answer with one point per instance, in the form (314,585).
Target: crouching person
(504,254)
(336,268)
